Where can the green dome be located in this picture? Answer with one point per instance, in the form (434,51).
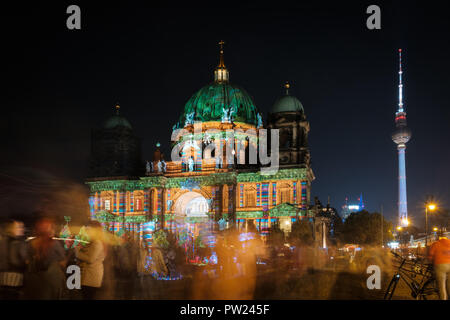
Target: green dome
(287,103)
(117,121)
(217,101)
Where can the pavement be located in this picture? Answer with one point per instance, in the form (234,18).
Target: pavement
(309,285)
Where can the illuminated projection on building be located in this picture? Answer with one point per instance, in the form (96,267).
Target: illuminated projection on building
(143,196)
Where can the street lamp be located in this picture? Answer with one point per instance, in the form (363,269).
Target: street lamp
(405,222)
(435,229)
(431,207)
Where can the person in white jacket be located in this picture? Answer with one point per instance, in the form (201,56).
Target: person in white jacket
(91,260)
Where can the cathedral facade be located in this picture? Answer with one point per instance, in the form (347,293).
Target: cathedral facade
(204,182)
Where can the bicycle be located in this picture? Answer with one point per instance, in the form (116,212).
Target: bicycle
(408,270)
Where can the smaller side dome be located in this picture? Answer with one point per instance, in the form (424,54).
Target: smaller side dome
(117,121)
(287,103)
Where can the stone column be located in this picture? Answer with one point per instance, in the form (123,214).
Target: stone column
(163,206)
(233,201)
(122,208)
(294,135)
(270,198)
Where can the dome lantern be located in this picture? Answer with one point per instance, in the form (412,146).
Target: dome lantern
(221,73)
(287,86)
(220,101)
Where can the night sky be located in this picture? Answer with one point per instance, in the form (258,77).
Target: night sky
(151,59)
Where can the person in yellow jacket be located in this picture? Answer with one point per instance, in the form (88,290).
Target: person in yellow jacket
(91,260)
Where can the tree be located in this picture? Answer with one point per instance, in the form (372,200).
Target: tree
(301,233)
(364,228)
(336,227)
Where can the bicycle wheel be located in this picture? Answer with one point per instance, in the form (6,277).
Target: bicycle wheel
(429,291)
(391,287)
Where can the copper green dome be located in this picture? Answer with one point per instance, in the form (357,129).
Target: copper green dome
(219,101)
(117,121)
(287,103)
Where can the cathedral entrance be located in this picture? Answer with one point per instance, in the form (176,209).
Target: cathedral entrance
(191,204)
(194,228)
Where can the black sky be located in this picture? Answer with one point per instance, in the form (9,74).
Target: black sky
(152,58)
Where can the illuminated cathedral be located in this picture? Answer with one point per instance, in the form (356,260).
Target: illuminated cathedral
(128,194)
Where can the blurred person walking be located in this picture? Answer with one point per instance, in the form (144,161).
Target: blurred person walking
(13,260)
(91,259)
(45,278)
(126,263)
(228,285)
(159,267)
(143,270)
(439,255)
(251,248)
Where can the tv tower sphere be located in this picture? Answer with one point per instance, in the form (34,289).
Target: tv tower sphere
(401,136)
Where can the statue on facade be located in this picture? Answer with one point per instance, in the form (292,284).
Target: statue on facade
(169,204)
(159,166)
(148,168)
(189,119)
(260,122)
(226,117)
(191,164)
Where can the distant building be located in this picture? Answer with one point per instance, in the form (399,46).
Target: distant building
(326,218)
(348,208)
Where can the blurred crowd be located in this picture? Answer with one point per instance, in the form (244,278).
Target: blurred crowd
(36,268)
(113,267)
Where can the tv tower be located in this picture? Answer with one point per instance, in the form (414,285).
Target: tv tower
(401,136)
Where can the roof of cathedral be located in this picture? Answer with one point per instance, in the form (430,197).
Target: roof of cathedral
(220,101)
(287,103)
(117,121)
(214,101)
